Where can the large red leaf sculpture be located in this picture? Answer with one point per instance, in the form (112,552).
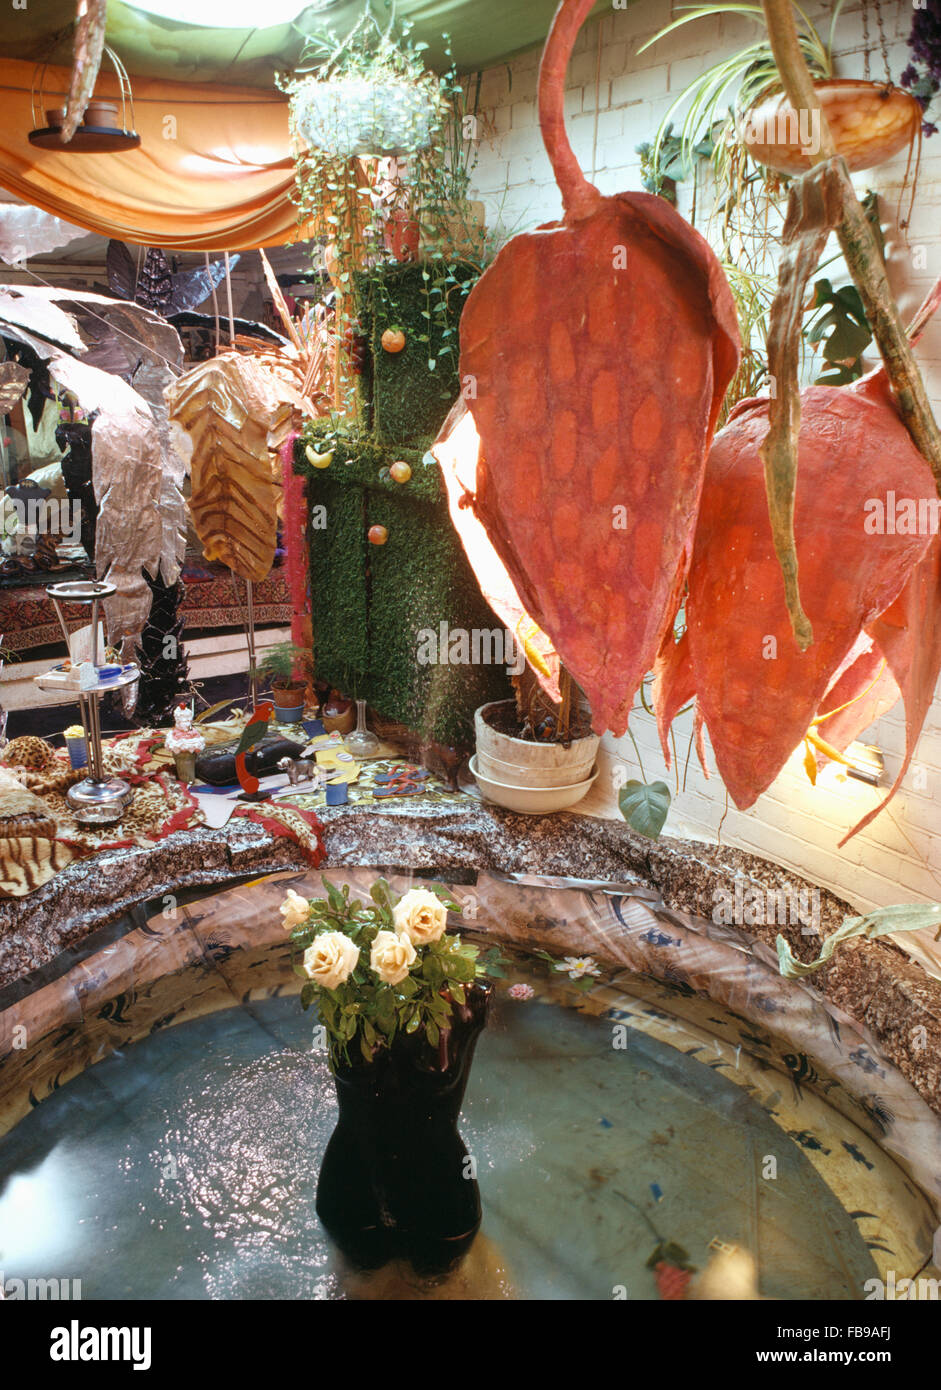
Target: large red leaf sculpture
(595,353)
(871,593)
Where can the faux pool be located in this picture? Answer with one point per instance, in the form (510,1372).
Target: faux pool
(186,1166)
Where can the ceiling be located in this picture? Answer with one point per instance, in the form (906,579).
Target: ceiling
(483,33)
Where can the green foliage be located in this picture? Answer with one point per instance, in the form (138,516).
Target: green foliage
(842,330)
(645,807)
(412,390)
(280,663)
(364,1014)
(882,921)
(347,200)
(666,163)
(372,601)
(728,89)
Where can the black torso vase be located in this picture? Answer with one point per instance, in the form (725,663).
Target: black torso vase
(396,1180)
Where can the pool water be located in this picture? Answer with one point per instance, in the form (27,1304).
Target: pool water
(186,1167)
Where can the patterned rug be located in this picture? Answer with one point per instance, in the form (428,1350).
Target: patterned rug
(213,599)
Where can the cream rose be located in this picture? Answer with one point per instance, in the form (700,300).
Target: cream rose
(392,956)
(421,916)
(331,959)
(294,910)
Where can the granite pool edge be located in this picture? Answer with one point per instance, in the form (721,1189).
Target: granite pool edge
(874,982)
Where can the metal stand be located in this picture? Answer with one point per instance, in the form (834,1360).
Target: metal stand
(98,800)
(250,640)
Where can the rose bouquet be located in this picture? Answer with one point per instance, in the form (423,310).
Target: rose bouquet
(379,968)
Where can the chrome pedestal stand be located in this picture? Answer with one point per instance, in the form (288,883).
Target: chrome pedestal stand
(97,800)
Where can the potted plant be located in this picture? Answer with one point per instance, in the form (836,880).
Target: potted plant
(870,121)
(282,666)
(534,755)
(401,1003)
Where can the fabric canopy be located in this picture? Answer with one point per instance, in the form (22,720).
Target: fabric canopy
(214,171)
(481,32)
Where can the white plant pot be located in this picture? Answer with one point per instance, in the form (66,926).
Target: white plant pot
(517,762)
(530,801)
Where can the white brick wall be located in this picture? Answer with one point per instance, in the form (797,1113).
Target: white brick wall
(898,858)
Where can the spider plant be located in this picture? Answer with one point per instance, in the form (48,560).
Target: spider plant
(726,91)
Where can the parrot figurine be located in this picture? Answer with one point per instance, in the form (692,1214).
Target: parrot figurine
(252,734)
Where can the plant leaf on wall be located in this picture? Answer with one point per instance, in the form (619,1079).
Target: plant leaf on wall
(645,807)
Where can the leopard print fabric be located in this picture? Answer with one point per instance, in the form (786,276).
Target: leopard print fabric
(29,751)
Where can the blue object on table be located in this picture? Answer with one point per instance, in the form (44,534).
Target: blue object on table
(337,794)
(313,728)
(657,1192)
(78,752)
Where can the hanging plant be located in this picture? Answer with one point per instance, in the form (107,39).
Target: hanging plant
(922,77)
(367,95)
(742,95)
(382,171)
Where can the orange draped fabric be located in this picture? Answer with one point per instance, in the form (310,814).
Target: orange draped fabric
(214,171)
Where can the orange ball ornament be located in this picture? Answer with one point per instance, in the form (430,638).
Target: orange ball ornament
(377,535)
(393,340)
(400,471)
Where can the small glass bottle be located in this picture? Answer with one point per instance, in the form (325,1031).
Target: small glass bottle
(361,743)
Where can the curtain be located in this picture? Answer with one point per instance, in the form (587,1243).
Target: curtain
(214,171)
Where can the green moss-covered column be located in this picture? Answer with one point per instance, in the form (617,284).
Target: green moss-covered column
(370,603)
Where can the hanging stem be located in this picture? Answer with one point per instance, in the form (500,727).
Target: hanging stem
(860,250)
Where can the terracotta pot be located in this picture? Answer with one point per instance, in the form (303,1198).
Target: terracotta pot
(288,705)
(55,116)
(519,763)
(101,113)
(870,122)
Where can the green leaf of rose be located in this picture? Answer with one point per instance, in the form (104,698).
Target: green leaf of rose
(337,901)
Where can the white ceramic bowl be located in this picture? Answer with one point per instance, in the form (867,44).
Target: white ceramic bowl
(517,774)
(530,801)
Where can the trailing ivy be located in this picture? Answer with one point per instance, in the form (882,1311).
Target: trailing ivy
(413,389)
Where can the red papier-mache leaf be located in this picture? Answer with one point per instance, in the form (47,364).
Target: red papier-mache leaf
(595,353)
(909,636)
(757,691)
